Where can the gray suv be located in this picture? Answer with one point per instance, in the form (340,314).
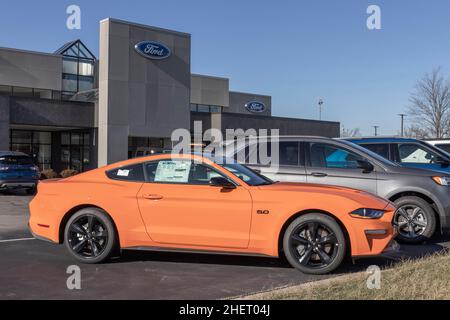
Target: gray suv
(421,196)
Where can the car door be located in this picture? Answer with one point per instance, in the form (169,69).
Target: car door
(179,207)
(286,160)
(336,165)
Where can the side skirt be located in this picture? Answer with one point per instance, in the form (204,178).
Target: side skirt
(193,251)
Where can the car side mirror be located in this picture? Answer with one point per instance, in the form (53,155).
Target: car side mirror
(444,163)
(366,166)
(222,183)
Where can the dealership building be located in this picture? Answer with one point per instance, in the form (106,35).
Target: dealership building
(71,109)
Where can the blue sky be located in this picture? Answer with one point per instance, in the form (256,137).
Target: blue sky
(296,51)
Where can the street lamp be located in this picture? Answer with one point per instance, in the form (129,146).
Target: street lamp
(376,130)
(320,108)
(403,116)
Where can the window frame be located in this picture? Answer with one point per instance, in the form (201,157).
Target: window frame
(390,152)
(147,180)
(301,154)
(109,176)
(180,183)
(309,163)
(419,146)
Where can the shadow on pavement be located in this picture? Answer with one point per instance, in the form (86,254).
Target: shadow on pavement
(181,257)
(405,252)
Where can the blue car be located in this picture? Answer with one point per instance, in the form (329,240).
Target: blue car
(18,171)
(407,152)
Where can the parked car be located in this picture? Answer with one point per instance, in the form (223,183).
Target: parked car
(18,171)
(407,152)
(191,203)
(444,145)
(422,196)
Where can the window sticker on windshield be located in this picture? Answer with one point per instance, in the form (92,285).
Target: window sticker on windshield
(173,171)
(123,173)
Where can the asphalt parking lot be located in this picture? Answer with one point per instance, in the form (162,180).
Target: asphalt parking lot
(31,269)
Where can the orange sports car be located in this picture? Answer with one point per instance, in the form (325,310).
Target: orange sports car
(190,203)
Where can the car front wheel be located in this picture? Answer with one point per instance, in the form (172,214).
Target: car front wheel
(415,219)
(314,244)
(90,236)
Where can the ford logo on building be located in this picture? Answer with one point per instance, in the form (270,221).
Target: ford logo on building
(255,106)
(153,50)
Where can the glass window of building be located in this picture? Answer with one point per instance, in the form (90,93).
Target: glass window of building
(75,150)
(216,109)
(78,69)
(37,144)
(202,108)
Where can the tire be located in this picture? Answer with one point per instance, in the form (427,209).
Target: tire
(296,242)
(90,247)
(422,222)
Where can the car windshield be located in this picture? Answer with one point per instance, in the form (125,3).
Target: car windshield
(15,160)
(247,175)
(370,153)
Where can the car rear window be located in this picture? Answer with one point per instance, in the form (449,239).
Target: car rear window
(133,173)
(16,160)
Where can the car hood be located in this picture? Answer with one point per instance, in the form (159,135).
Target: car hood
(365,198)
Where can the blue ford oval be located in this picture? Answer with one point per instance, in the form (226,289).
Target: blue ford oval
(255,106)
(153,50)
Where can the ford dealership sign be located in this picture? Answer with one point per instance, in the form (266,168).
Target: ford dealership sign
(255,106)
(153,50)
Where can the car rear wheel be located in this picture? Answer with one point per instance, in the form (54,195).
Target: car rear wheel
(314,244)
(415,219)
(90,236)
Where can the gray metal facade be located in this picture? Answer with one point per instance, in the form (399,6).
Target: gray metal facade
(140,96)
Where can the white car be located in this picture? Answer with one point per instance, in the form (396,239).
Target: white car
(441,144)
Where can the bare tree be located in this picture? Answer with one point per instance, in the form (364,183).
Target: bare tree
(416,132)
(348,133)
(430,104)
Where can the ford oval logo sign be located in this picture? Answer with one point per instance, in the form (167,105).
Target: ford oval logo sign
(153,50)
(255,106)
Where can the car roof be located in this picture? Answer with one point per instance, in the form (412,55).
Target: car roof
(380,139)
(12,153)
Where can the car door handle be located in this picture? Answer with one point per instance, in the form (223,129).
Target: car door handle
(319,174)
(153,197)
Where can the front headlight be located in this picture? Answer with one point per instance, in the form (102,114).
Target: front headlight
(365,213)
(443,181)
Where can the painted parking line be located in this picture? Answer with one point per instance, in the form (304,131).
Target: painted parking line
(17,240)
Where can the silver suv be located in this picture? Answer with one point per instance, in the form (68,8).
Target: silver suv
(421,196)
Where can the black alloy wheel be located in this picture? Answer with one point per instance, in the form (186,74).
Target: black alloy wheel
(90,236)
(415,220)
(314,244)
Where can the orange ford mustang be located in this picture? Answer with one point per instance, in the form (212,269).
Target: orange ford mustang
(190,203)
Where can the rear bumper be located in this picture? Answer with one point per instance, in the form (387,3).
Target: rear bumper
(18,184)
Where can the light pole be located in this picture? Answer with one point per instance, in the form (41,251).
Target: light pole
(320,108)
(403,116)
(376,130)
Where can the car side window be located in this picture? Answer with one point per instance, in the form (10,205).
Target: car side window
(324,155)
(414,153)
(289,153)
(445,147)
(179,172)
(381,149)
(133,173)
